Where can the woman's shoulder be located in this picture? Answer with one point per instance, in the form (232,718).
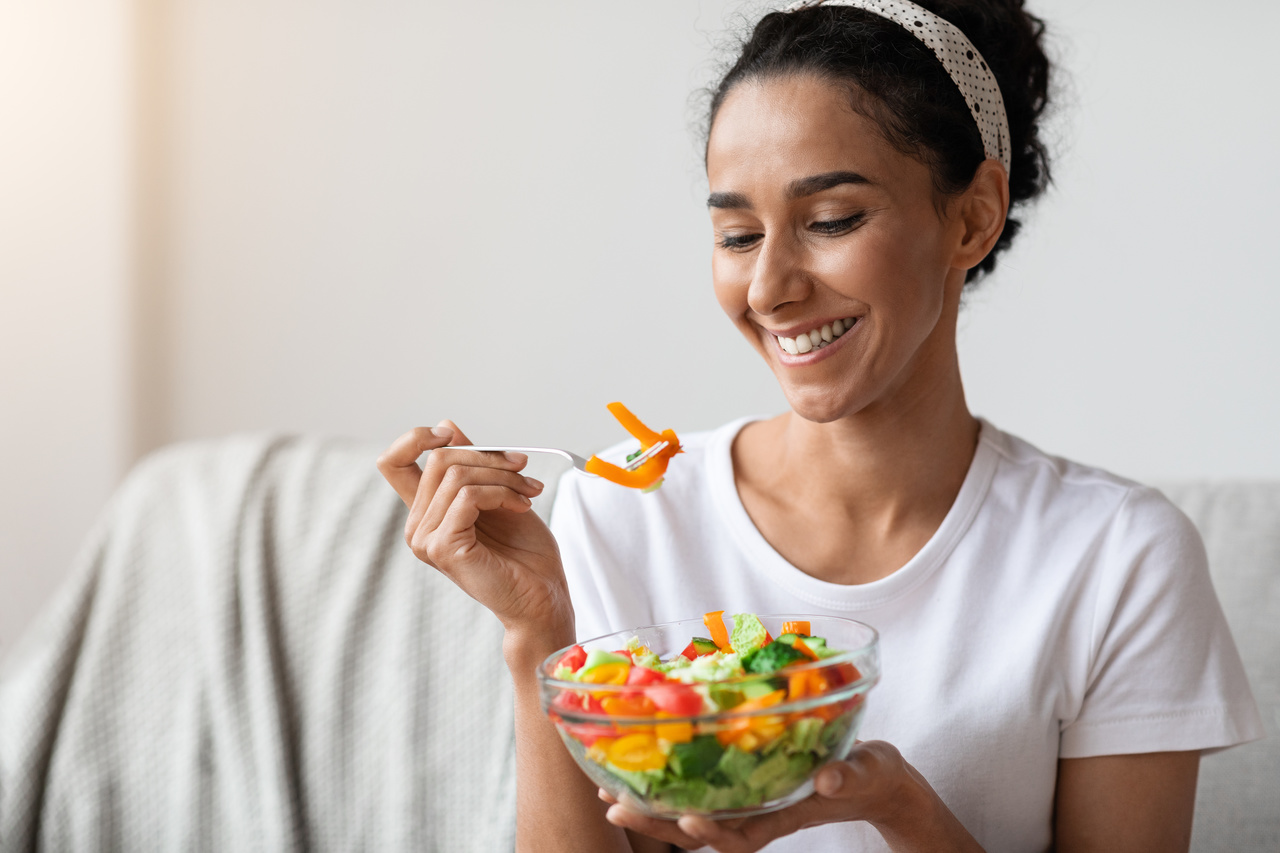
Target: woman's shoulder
(1039,483)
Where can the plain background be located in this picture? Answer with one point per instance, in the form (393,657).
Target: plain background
(354,217)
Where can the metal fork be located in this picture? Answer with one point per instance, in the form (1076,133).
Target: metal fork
(578,461)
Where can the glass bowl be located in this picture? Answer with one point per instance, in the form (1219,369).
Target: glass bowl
(652,743)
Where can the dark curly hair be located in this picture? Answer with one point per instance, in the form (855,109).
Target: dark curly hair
(898,83)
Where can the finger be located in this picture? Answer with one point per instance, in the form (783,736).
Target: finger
(442,462)
(862,773)
(432,503)
(459,437)
(745,836)
(399,463)
(453,539)
(663,830)
(606,796)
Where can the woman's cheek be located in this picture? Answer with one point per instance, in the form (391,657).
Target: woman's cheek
(730,287)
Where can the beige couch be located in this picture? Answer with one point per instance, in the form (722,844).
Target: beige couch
(247,658)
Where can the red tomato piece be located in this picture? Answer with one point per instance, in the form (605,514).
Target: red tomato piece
(589,733)
(641,676)
(567,700)
(676,698)
(574,659)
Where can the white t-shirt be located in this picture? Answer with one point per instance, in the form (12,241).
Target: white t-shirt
(1058,612)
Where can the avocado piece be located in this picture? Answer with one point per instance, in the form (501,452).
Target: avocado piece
(696,758)
(748,633)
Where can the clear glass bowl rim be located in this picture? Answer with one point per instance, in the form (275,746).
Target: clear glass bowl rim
(866,682)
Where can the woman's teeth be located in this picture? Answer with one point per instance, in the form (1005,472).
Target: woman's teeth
(816,339)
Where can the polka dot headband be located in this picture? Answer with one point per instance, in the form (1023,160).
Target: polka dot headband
(957,54)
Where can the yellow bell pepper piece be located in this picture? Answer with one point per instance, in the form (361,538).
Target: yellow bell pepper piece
(637,751)
(681,732)
(599,751)
(607,673)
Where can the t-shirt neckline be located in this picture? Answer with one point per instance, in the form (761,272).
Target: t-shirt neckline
(762,558)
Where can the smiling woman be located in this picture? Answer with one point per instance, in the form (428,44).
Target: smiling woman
(1055,659)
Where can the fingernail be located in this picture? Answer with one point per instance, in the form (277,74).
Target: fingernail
(517,458)
(690,826)
(829,782)
(526,500)
(442,432)
(533,482)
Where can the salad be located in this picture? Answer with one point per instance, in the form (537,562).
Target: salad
(733,721)
(656,448)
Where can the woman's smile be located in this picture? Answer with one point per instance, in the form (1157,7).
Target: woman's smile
(801,346)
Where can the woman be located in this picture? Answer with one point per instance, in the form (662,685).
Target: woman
(1055,659)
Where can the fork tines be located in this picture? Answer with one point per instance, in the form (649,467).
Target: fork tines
(647,455)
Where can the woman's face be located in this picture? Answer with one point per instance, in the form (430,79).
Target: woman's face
(818,219)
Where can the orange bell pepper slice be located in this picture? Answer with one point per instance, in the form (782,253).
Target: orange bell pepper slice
(719,633)
(800,646)
(649,475)
(800,626)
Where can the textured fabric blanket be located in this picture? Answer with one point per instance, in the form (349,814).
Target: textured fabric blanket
(248,658)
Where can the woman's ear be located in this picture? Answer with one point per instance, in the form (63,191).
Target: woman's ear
(983,208)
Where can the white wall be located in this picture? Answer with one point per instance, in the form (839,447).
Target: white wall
(65,248)
(363,216)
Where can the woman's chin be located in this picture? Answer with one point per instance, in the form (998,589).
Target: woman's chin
(819,405)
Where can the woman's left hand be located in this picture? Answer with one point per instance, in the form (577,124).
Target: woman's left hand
(875,783)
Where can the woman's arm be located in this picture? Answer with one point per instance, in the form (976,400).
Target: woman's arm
(556,804)
(1120,803)
(469,518)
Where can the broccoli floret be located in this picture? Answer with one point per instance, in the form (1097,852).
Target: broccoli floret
(771,658)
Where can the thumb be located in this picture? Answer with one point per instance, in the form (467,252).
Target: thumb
(835,781)
(459,438)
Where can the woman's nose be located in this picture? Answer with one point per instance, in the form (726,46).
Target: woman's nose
(779,276)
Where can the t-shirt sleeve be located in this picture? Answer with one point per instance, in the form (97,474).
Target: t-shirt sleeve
(1165,674)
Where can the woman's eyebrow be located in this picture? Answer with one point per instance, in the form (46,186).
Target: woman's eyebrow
(729,201)
(798,188)
(817,183)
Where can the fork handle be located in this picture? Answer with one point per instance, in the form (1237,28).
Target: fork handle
(577,461)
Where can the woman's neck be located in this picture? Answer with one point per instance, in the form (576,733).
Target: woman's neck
(852,500)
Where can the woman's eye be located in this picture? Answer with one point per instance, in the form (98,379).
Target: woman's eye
(736,241)
(836,226)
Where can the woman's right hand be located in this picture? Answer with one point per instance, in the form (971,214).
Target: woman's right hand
(469,517)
